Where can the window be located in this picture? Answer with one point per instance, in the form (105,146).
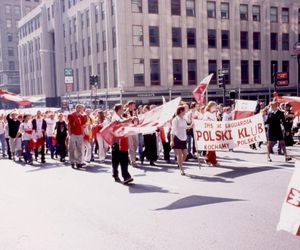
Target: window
(11,65)
(155,72)
(48,14)
(70,27)
(212,38)
(176,37)
(256,72)
(177,72)
(9,37)
(226,65)
(82,20)
(224,10)
(89,46)
(97,43)
(102,10)
(244,39)
(137,35)
(176,7)
(138,72)
(212,69)
(256,40)
(10,51)
(96,14)
(104,40)
(115,73)
(136,6)
(153,6)
(274,15)
(17,10)
(7,9)
(191,37)
(211,9)
(113,7)
(190,8)
(256,13)
(74,24)
(244,12)
(285,41)
(71,52)
(285,66)
(244,72)
(285,15)
(87,15)
(225,39)
(114,37)
(75,48)
(274,69)
(154,36)
(274,41)
(8,23)
(192,72)
(83,48)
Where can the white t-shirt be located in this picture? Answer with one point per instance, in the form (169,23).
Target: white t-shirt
(26,131)
(178,129)
(39,131)
(2,127)
(208,116)
(50,127)
(227,117)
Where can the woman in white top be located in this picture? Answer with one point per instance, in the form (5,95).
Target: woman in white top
(2,135)
(26,131)
(179,137)
(210,115)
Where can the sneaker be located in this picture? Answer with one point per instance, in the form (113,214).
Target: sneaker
(73,165)
(117,179)
(128,180)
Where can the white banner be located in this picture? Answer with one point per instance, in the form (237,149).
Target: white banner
(211,135)
(290,212)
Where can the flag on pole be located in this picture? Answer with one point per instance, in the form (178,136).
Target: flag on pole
(199,92)
(293,100)
(244,109)
(10,96)
(290,211)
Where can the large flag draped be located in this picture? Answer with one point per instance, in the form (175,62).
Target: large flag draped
(290,212)
(199,92)
(9,96)
(244,109)
(148,122)
(293,100)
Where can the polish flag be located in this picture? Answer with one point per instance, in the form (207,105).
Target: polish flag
(13,97)
(293,100)
(290,211)
(244,109)
(199,92)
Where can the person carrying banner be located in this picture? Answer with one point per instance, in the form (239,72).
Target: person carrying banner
(76,122)
(179,137)
(120,148)
(275,121)
(210,115)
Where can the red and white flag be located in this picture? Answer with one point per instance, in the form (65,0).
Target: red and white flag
(290,211)
(293,100)
(148,122)
(9,96)
(199,92)
(244,109)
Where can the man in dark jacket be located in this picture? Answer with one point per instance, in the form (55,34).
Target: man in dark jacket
(13,128)
(39,127)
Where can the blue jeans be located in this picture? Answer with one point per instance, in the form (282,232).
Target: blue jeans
(27,151)
(141,145)
(3,143)
(50,145)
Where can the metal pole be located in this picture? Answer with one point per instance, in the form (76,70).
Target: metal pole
(224,92)
(297,80)
(170,94)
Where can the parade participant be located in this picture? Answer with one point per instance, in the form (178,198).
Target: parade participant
(190,134)
(76,122)
(275,121)
(87,137)
(133,140)
(210,115)
(61,130)
(39,127)
(227,115)
(102,145)
(7,141)
(49,133)
(179,137)
(2,135)
(26,130)
(289,119)
(150,143)
(13,128)
(120,149)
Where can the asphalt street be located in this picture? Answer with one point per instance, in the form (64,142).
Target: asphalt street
(234,206)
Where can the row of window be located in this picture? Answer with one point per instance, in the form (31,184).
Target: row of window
(30,26)
(155,75)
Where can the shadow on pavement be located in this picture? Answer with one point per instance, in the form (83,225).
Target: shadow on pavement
(142,188)
(45,166)
(243,171)
(208,179)
(196,201)
(94,169)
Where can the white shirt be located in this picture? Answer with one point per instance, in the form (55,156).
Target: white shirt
(208,116)
(116,117)
(39,131)
(2,127)
(227,117)
(26,131)
(50,127)
(188,116)
(178,129)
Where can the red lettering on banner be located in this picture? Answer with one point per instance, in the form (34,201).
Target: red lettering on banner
(260,128)
(198,134)
(294,197)
(242,133)
(298,232)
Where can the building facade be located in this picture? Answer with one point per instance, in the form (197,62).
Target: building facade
(143,49)
(11,12)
